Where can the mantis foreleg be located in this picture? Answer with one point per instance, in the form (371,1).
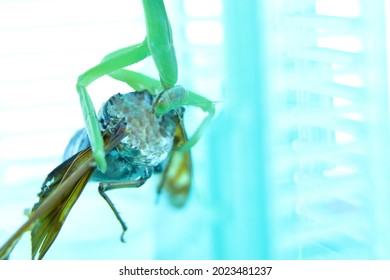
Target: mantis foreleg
(178,96)
(118,60)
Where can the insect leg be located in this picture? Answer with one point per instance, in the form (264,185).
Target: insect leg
(160,43)
(178,96)
(118,60)
(108,186)
(137,81)
(207,106)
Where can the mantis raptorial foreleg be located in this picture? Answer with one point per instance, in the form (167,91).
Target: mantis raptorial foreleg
(160,42)
(118,60)
(137,81)
(177,96)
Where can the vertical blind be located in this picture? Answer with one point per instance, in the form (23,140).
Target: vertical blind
(302,139)
(332,115)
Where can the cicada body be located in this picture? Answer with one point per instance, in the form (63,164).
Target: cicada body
(137,144)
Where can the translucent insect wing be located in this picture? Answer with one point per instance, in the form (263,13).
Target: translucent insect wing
(48,226)
(57,204)
(177,175)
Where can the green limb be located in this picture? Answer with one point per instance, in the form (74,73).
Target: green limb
(206,105)
(177,96)
(135,80)
(93,130)
(117,60)
(160,42)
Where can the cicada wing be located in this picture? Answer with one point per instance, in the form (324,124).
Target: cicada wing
(47,227)
(60,192)
(177,175)
(52,180)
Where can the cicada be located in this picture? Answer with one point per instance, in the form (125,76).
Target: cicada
(138,144)
(134,135)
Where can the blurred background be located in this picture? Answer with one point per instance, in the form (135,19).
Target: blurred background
(294,165)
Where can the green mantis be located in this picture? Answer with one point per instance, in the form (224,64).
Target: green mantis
(109,137)
(159,45)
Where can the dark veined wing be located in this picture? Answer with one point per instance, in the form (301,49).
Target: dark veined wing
(177,174)
(61,186)
(47,227)
(59,193)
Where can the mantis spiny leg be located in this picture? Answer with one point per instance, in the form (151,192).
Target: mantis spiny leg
(160,42)
(163,53)
(160,45)
(177,96)
(122,58)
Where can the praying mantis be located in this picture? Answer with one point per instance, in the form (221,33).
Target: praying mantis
(159,103)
